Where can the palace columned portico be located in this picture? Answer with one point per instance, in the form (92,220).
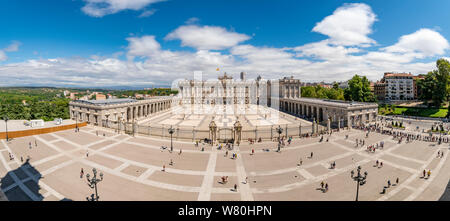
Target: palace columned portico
(98,112)
(340,113)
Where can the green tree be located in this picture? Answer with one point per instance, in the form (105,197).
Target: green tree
(309,91)
(436,84)
(359,90)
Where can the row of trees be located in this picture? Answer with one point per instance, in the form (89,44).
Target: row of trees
(317,91)
(435,86)
(358,90)
(153,92)
(46,110)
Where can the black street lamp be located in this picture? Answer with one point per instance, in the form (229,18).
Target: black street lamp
(171,131)
(92,183)
(279,131)
(360,179)
(5,118)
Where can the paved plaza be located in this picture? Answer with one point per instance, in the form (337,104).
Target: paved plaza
(133,168)
(199,117)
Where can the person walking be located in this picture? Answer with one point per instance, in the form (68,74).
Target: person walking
(396,181)
(235,187)
(81,173)
(312,155)
(164,168)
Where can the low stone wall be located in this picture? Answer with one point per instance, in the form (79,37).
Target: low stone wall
(31,132)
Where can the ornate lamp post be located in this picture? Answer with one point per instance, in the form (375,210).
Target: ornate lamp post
(360,179)
(171,131)
(92,183)
(279,131)
(5,118)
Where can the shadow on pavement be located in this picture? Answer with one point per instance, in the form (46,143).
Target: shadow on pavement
(14,192)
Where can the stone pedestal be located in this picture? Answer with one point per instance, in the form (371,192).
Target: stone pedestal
(328,125)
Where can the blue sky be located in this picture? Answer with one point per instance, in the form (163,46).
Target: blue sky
(153,42)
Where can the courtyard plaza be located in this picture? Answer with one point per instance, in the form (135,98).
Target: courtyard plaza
(133,168)
(200,116)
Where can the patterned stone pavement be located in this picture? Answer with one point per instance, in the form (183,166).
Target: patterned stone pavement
(133,168)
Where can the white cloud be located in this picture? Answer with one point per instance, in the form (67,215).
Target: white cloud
(3,56)
(348,25)
(424,41)
(100,8)
(324,50)
(13,47)
(147,63)
(143,46)
(206,37)
(147,13)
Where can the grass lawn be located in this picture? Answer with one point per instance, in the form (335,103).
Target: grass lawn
(414,111)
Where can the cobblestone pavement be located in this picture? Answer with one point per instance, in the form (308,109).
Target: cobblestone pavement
(133,168)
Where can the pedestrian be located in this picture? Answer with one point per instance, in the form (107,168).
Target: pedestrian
(326,187)
(429,173)
(35,143)
(396,181)
(21,159)
(164,168)
(226,153)
(389,183)
(424,173)
(180,152)
(301,162)
(311,154)
(235,187)
(253,151)
(81,173)
(322,184)
(87,153)
(381,164)
(246,179)
(171,162)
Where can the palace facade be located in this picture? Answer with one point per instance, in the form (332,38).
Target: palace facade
(283,94)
